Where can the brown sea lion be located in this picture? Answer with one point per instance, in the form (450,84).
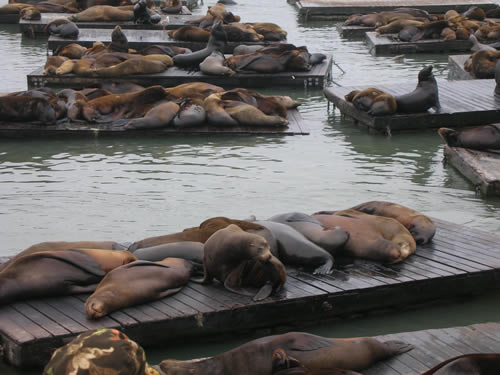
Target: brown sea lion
(248,115)
(103,13)
(172,7)
(71,51)
(262,278)
(117,106)
(421,227)
(56,273)
(62,27)
(270,31)
(190,114)
(448,34)
(474,13)
(486,137)
(13,8)
(25,108)
(137,282)
(372,100)
(225,252)
(120,87)
(52,63)
(396,26)
(472,364)
(196,234)
(313,352)
(161,115)
(189,33)
(196,91)
(483,63)
(214,65)
(239,32)
(216,115)
(370,239)
(424,96)
(31,13)
(138,65)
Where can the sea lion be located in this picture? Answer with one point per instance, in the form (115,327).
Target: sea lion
(52,63)
(486,137)
(226,250)
(62,28)
(189,250)
(331,239)
(189,115)
(190,33)
(215,113)
(473,364)
(161,115)
(421,227)
(25,108)
(138,65)
(74,102)
(476,46)
(259,279)
(243,49)
(30,13)
(120,87)
(216,41)
(56,273)
(137,282)
(372,100)
(172,7)
(474,13)
(270,31)
(397,25)
(295,249)
(196,91)
(103,13)
(143,15)
(239,32)
(197,234)
(213,65)
(71,51)
(369,240)
(425,95)
(313,352)
(482,63)
(171,51)
(248,115)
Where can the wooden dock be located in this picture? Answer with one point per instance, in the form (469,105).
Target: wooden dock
(458,262)
(433,346)
(25,130)
(481,168)
(353,31)
(37,27)
(385,44)
(463,103)
(317,77)
(9,19)
(138,39)
(341,9)
(456,67)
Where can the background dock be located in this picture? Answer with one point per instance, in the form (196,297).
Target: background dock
(456,68)
(458,262)
(463,103)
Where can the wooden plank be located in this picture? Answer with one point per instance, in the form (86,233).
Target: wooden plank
(139,39)
(481,168)
(49,325)
(173,76)
(352,32)
(67,322)
(456,67)
(464,103)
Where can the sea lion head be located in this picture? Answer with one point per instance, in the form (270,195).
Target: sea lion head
(282,361)
(218,32)
(95,306)
(449,136)
(425,74)
(260,248)
(119,41)
(422,229)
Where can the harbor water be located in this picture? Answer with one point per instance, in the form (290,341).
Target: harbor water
(126,189)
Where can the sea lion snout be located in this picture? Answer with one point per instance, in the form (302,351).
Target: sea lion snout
(94,309)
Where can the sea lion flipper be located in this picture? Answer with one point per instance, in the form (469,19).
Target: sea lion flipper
(397,347)
(83,288)
(325,269)
(75,258)
(264,292)
(168,292)
(233,281)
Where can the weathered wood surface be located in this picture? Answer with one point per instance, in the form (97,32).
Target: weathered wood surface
(459,261)
(317,77)
(456,67)
(353,31)
(338,9)
(386,45)
(7,19)
(296,126)
(36,27)
(434,346)
(138,39)
(482,168)
(463,103)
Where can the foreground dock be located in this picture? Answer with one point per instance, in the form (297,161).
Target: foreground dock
(317,77)
(481,168)
(173,21)
(333,9)
(459,261)
(456,68)
(385,44)
(138,39)
(463,103)
(296,126)
(353,31)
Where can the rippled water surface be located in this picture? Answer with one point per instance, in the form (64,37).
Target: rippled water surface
(127,189)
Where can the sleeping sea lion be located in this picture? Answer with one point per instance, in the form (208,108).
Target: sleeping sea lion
(30,13)
(71,51)
(103,13)
(226,250)
(143,15)
(313,352)
(425,95)
(62,28)
(248,115)
(161,115)
(172,7)
(25,108)
(58,273)
(483,63)
(190,33)
(189,115)
(472,364)
(476,46)
(214,65)
(137,282)
(189,250)
(486,137)
(52,63)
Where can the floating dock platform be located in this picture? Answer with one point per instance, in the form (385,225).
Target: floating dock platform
(9,19)
(463,103)
(317,77)
(341,9)
(24,130)
(37,27)
(386,44)
(482,168)
(353,31)
(138,39)
(456,68)
(433,346)
(459,261)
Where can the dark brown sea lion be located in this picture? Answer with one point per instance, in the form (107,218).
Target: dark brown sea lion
(270,31)
(25,108)
(196,91)
(397,26)
(372,100)
(63,28)
(52,63)
(421,227)
(71,51)
(248,115)
(371,240)
(189,33)
(196,234)
(471,364)
(137,282)
(166,50)
(483,63)
(172,7)
(486,137)
(161,115)
(425,95)
(103,13)
(56,273)
(225,252)
(120,87)
(239,32)
(474,13)
(31,13)
(313,352)
(262,278)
